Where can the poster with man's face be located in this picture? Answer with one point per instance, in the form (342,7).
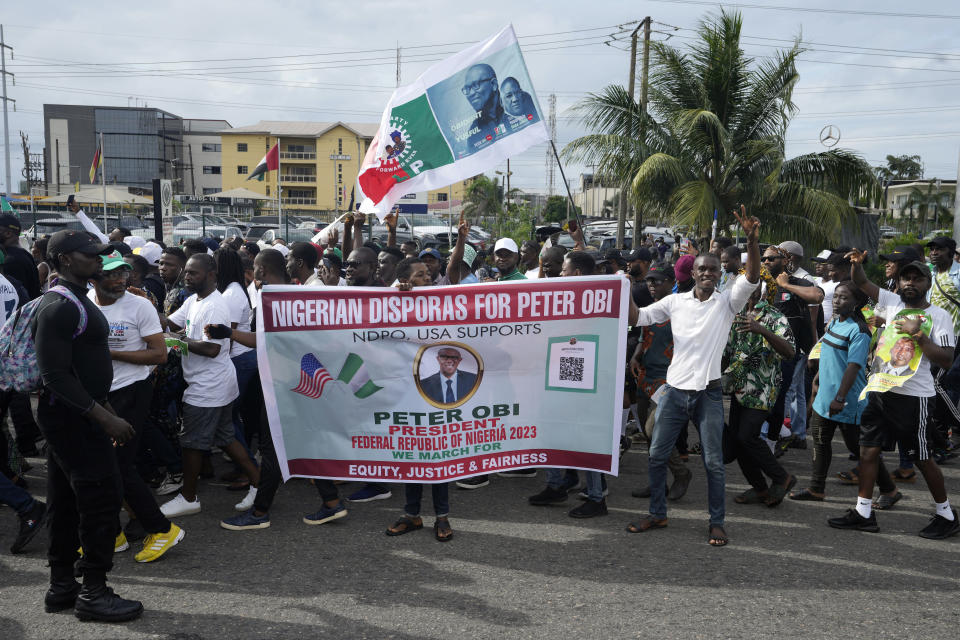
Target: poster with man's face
(485,102)
(898,355)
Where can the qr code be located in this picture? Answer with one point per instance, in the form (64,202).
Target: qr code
(571,369)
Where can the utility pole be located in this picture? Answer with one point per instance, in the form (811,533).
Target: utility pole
(644,85)
(956,204)
(631,88)
(398,64)
(6,127)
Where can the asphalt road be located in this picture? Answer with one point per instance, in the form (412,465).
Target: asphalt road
(515,571)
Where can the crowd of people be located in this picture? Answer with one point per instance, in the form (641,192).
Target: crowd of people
(147,358)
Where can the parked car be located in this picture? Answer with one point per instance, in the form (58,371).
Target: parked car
(217,232)
(295,235)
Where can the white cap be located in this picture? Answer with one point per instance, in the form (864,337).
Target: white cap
(151,252)
(506,243)
(134,242)
(282,248)
(791,247)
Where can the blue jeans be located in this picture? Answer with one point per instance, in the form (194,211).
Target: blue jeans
(796,400)
(441,498)
(246,366)
(14,497)
(562,478)
(675,409)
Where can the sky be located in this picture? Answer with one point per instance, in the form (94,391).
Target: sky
(886,74)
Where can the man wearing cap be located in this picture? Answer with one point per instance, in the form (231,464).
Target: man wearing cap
(900,414)
(19,263)
(84,487)
(506,256)
(432,258)
(683,269)
(136,347)
(700,321)
(901,255)
(945,290)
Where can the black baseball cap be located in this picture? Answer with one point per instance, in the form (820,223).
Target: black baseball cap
(901,252)
(944,242)
(612,255)
(11,222)
(919,265)
(641,253)
(67,240)
(660,273)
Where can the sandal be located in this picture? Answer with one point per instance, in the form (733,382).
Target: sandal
(750,496)
(899,476)
(779,491)
(646,524)
(806,495)
(442,530)
(849,477)
(404,525)
(717,540)
(886,502)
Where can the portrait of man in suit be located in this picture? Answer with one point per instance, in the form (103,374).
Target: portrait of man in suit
(450,384)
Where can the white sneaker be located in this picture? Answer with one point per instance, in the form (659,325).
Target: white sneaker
(247,502)
(171,482)
(180,506)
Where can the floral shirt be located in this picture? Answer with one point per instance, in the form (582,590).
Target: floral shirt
(753,375)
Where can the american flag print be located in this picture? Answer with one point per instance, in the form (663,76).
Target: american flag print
(313,377)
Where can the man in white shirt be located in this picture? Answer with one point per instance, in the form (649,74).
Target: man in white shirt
(136,347)
(211,384)
(700,319)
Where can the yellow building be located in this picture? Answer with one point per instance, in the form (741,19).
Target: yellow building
(319,163)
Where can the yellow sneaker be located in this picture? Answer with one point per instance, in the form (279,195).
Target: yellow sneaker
(157,544)
(120,544)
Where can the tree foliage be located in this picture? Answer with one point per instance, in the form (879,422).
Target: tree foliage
(901,168)
(714,139)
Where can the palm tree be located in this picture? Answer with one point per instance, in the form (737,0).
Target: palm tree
(483,199)
(714,138)
(936,204)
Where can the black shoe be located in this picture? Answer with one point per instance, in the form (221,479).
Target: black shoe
(61,595)
(679,487)
(697,449)
(473,483)
(134,530)
(853,520)
(625,443)
(30,523)
(797,443)
(29,449)
(548,496)
(519,473)
(940,528)
(100,603)
(589,509)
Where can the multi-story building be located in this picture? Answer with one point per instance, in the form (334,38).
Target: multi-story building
(202,161)
(319,163)
(139,144)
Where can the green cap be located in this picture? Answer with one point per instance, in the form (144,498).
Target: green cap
(114,260)
(336,251)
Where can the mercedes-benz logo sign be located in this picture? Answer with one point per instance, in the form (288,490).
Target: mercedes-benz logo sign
(829,135)
(166,194)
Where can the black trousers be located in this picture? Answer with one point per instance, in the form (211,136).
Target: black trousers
(21,415)
(752,453)
(84,491)
(130,403)
(270,477)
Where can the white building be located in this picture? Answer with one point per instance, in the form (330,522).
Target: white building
(202,164)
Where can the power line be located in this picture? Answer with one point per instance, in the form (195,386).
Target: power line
(853,12)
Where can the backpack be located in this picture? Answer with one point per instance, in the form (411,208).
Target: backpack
(20,371)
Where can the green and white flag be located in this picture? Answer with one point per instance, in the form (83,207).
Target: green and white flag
(355,374)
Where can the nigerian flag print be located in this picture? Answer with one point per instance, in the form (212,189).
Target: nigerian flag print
(355,374)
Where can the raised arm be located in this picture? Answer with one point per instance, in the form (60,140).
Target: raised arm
(358,221)
(751,227)
(859,277)
(456,256)
(391,221)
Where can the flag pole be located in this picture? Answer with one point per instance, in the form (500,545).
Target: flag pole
(103,183)
(279,196)
(565,184)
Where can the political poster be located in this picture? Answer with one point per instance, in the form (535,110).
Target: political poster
(897,355)
(461,117)
(442,383)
